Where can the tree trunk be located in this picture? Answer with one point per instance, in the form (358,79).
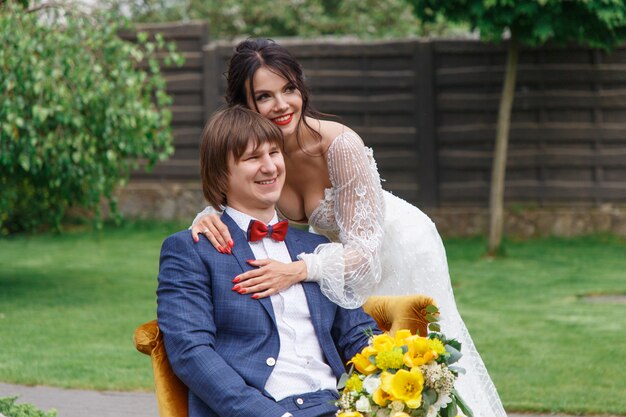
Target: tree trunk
(498,171)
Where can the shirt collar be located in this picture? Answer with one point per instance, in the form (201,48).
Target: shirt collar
(243,220)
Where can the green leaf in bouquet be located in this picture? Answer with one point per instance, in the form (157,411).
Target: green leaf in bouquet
(369,332)
(462,404)
(431,318)
(455,355)
(450,410)
(434,327)
(342,381)
(457,369)
(431,309)
(454,343)
(429,397)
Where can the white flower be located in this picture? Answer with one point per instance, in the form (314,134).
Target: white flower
(442,401)
(363,405)
(382,412)
(371,384)
(396,406)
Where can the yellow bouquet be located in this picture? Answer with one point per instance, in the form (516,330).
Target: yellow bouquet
(403,376)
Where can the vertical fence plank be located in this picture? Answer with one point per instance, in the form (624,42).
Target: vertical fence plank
(428,109)
(425,118)
(211,79)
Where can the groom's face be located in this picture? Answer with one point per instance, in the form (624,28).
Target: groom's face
(256,180)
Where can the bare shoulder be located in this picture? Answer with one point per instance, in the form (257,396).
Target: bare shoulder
(330,130)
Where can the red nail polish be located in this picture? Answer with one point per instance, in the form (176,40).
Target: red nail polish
(220,250)
(231,243)
(230,252)
(236,280)
(236,287)
(250,260)
(242,291)
(255,296)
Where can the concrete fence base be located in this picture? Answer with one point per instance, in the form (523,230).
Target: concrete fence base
(168,201)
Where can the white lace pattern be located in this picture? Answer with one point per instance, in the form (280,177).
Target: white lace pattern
(352,212)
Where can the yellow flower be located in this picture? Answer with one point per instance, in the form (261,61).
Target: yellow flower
(381,398)
(400,414)
(401,336)
(350,414)
(405,386)
(383,342)
(368,351)
(362,362)
(390,359)
(436,346)
(419,352)
(354,383)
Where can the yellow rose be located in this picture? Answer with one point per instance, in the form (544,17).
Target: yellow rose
(405,386)
(383,342)
(401,336)
(362,364)
(350,414)
(381,398)
(368,351)
(419,352)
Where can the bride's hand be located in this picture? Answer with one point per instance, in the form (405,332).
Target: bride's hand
(212,228)
(269,278)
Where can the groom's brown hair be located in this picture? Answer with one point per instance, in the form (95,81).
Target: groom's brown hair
(228,132)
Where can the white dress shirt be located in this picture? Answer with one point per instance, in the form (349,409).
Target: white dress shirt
(300,366)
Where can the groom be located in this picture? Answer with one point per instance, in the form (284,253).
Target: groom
(241,356)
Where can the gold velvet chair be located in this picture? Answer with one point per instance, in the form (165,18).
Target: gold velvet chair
(391,313)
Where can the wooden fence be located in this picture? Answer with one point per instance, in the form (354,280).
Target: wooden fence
(428,109)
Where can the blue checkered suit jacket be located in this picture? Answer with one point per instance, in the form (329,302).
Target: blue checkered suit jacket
(219,341)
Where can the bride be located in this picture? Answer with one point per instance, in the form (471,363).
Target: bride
(382,244)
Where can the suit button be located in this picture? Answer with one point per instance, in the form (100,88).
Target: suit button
(270,361)
(299,401)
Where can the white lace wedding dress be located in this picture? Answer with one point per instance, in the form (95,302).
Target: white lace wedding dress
(385,246)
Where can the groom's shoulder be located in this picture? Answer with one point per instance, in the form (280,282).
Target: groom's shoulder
(181,236)
(179,240)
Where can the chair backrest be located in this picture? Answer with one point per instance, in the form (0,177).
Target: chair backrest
(391,313)
(170,391)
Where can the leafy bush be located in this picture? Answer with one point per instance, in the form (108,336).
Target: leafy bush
(269,18)
(10,409)
(79,109)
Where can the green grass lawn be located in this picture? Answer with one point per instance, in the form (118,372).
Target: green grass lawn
(69,305)
(547,347)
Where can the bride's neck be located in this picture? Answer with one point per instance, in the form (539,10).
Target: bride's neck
(305,138)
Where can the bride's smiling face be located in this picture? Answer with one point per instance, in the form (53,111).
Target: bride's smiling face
(277,99)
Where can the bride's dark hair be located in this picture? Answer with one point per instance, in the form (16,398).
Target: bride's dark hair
(252,54)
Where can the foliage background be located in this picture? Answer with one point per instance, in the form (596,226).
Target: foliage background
(303,18)
(80,108)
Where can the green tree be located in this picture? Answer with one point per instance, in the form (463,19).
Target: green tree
(594,23)
(79,109)
(271,18)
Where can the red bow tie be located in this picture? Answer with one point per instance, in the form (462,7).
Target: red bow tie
(258,230)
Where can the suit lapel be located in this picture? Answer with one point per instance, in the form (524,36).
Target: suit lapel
(242,253)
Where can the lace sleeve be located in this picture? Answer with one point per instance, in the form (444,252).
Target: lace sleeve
(207,210)
(349,272)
